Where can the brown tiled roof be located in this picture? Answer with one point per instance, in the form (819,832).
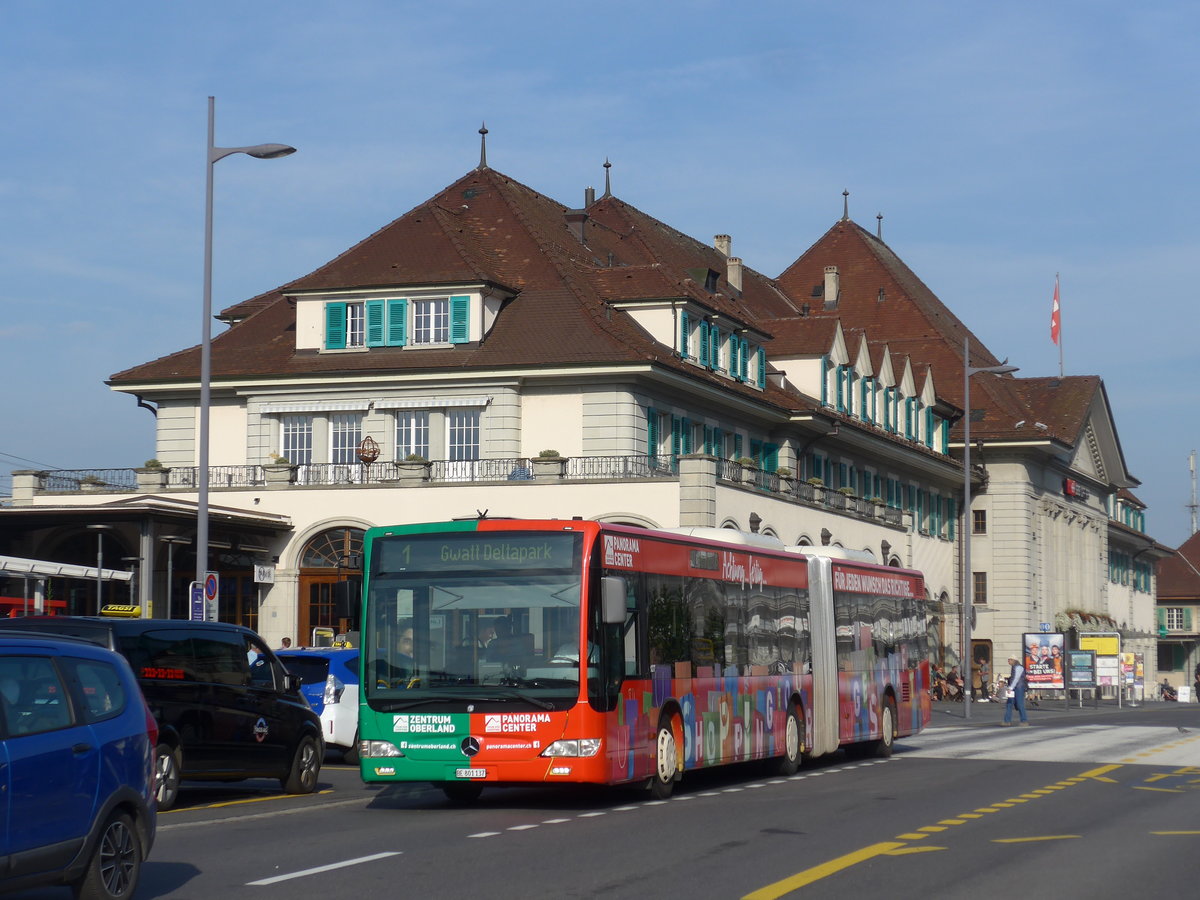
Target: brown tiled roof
(1179,574)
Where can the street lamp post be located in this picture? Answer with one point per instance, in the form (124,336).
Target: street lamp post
(215,154)
(968,583)
(99,529)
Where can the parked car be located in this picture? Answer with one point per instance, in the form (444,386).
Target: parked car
(226,707)
(330,682)
(76,767)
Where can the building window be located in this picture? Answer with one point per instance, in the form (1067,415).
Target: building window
(463,434)
(345,325)
(296,439)
(431,321)
(979,521)
(1174,618)
(412,434)
(345,433)
(980,582)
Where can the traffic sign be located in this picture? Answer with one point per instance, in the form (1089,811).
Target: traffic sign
(196,608)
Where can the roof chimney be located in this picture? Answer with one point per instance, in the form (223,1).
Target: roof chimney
(733,273)
(576,219)
(589,196)
(832,286)
(723,243)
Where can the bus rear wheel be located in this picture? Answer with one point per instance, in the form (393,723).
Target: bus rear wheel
(666,762)
(793,743)
(887,722)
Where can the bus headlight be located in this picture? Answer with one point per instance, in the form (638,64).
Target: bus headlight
(378,749)
(585,747)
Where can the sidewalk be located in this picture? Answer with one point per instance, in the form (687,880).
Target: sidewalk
(950,714)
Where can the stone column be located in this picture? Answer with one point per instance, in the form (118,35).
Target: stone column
(698,491)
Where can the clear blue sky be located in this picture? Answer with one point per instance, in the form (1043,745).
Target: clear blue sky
(1003,143)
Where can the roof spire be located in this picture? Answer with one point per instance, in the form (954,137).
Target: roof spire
(483,146)
(845,205)
(607,180)
(879,225)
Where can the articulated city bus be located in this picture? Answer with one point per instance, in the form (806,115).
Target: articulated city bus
(509,651)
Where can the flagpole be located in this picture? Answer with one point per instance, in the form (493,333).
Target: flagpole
(1057,293)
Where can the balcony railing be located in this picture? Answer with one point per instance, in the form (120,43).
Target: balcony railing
(476,471)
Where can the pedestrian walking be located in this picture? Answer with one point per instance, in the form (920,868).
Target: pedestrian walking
(1016,692)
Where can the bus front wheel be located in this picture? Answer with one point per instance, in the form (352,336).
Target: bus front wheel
(666,762)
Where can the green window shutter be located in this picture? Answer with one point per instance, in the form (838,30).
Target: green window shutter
(824,380)
(335,326)
(762,367)
(770,457)
(715,349)
(737,446)
(397,322)
(951,518)
(685,331)
(1187,618)
(685,437)
(708,440)
(374,312)
(704,345)
(460,319)
(1160,616)
(744,361)
(676,435)
(651,432)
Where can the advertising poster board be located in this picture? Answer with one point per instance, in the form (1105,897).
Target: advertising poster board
(1044,660)
(1107,646)
(1081,669)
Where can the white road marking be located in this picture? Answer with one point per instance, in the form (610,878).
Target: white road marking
(318,869)
(484,834)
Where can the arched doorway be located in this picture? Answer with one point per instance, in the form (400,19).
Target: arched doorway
(331,562)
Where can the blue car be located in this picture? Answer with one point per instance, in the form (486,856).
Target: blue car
(329,680)
(76,767)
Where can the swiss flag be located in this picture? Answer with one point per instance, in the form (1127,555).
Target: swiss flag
(1055,315)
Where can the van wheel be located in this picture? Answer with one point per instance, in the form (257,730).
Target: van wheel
(166,775)
(116,863)
(666,762)
(302,779)
(350,757)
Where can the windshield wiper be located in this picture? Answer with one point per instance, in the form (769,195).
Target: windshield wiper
(516,695)
(396,705)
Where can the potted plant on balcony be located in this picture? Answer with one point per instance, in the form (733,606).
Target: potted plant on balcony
(151,476)
(279,471)
(817,486)
(414,468)
(880,507)
(786,479)
(549,464)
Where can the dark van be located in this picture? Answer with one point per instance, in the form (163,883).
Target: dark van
(226,707)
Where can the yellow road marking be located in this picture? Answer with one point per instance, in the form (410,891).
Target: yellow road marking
(1160,790)
(816,873)
(236,802)
(1175,832)
(911,837)
(905,851)
(933,828)
(970,816)
(952,822)
(1030,840)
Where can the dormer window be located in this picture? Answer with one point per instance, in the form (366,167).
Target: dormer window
(397,322)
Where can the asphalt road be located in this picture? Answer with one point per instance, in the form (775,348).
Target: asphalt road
(1082,803)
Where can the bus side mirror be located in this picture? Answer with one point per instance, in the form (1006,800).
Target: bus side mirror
(612,599)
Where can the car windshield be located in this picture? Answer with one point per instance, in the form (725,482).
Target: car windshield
(473,616)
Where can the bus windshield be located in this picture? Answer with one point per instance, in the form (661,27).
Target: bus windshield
(473,617)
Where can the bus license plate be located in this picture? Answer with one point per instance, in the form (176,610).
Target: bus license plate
(470,773)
